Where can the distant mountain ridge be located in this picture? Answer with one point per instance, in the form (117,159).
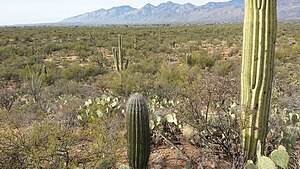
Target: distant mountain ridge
(169,12)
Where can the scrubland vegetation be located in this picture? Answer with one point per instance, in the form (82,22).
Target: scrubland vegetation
(62,102)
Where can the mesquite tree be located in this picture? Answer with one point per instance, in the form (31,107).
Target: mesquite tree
(260,25)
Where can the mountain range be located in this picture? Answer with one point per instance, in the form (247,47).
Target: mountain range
(169,12)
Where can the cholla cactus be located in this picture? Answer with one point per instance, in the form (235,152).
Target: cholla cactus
(138,131)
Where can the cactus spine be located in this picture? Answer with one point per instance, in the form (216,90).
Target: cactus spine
(260,25)
(119,56)
(138,131)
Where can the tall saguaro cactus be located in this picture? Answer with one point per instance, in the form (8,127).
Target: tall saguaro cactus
(138,131)
(260,24)
(120,62)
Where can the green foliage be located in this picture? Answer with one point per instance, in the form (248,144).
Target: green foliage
(9,73)
(222,67)
(5,52)
(77,72)
(79,65)
(125,82)
(99,108)
(102,118)
(123,166)
(105,165)
(45,145)
(278,157)
(163,120)
(188,165)
(138,132)
(50,48)
(203,60)
(35,77)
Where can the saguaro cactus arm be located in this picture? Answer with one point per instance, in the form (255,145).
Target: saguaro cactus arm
(118,54)
(260,24)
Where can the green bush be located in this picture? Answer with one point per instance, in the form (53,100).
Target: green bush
(5,52)
(103,121)
(125,82)
(50,48)
(203,60)
(222,67)
(77,72)
(43,145)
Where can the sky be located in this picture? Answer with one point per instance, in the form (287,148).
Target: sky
(46,11)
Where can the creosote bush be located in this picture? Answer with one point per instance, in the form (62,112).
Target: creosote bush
(43,145)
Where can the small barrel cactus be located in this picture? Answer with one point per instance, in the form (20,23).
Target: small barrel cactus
(138,131)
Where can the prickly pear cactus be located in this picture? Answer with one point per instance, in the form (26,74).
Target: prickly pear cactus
(138,130)
(280,157)
(250,165)
(264,162)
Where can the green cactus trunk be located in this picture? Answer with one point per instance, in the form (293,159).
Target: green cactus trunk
(260,24)
(188,59)
(138,131)
(118,54)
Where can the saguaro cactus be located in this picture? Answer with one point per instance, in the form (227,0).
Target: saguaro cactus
(260,25)
(188,59)
(138,131)
(120,62)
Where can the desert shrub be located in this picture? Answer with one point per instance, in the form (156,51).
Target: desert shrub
(203,60)
(73,72)
(284,130)
(7,98)
(5,52)
(104,121)
(163,121)
(35,77)
(148,66)
(77,72)
(66,87)
(99,60)
(50,48)
(222,67)
(9,73)
(233,52)
(209,107)
(43,145)
(296,49)
(167,80)
(125,82)
(172,79)
(282,72)
(92,70)
(282,55)
(34,59)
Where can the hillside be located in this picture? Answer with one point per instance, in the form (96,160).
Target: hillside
(169,12)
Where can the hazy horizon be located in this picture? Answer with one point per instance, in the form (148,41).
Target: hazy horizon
(45,11)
